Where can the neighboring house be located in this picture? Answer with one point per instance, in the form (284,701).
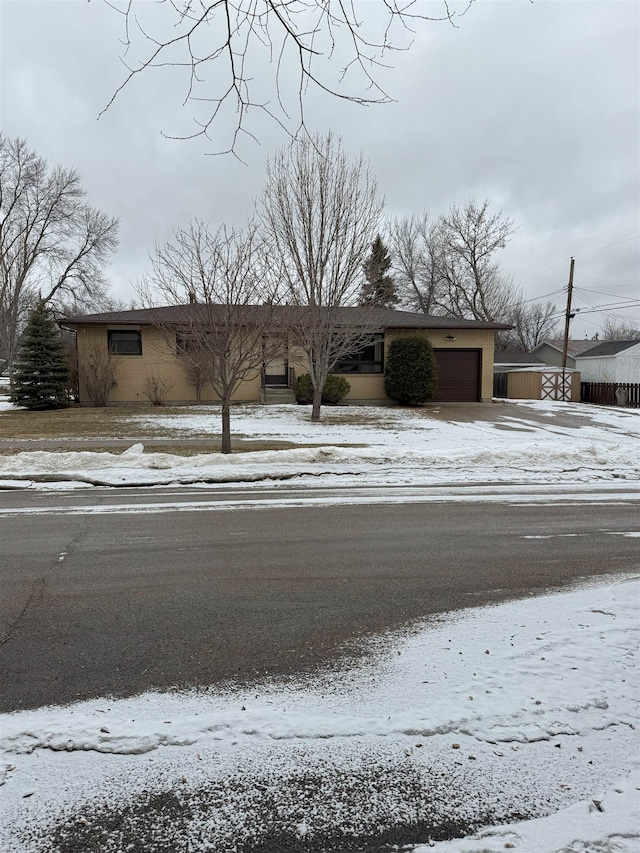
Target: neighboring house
(610,361)
(550,352)
(147,342)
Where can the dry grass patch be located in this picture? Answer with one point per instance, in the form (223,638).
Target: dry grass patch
(83,422)
(84,428)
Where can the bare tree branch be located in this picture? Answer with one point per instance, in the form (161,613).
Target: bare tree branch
(616,330)
(533,323)
(229,35)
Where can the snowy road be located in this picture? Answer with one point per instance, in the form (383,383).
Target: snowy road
(113,592)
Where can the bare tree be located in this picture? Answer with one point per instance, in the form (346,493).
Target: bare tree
(223,45)
(533,323)
(416,251)
(616,330)
(98,372)
(52,243)
(224,312)
(157,389)
(473,285)
(319,210)
(195,366)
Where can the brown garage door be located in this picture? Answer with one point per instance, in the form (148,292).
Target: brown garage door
(458,375)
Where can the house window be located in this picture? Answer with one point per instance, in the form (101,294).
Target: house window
(125,342)
(184,342)
(368,359)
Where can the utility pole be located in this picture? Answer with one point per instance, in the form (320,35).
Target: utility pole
(565,347)
(567,318)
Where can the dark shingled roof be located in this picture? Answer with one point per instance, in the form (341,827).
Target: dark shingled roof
(383,318)
(574,348)
(608,348)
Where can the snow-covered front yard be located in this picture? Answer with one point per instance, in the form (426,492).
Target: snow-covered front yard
(525,442)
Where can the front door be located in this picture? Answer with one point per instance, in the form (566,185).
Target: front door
(276,368)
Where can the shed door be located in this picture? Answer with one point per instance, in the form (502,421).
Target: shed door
(458,375)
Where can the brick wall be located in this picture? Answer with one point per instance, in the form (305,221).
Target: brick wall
(159,358)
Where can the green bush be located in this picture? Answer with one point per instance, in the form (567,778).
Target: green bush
(410,375)
(304,389)
(335,388)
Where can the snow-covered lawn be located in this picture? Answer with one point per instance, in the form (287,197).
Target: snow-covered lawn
(487,718)
(534,442)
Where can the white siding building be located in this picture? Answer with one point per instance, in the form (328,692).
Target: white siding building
(610,361)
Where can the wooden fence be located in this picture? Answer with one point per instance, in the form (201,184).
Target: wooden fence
(604,393)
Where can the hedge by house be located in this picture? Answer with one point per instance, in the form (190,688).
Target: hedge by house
(410,371)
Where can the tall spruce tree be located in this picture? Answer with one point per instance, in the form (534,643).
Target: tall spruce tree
(379,287)
(41,375)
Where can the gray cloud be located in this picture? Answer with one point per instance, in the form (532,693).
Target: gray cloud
(535,106)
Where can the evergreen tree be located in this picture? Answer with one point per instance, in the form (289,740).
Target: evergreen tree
(410,374)
(379,288)
(41,374)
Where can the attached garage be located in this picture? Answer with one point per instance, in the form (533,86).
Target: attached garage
(459,375)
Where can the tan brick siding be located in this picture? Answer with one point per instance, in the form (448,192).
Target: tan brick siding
(159,358)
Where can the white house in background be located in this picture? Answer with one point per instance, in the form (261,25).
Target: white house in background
(610,361)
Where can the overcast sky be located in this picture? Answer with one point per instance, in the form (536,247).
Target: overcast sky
(535,106)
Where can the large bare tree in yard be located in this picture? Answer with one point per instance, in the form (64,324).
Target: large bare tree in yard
(532,322)
(224,316)
(416,255)
(320,212)
(448,266)
(241,57)
(53,245)
(467,240)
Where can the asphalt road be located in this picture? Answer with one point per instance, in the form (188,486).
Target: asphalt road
(112,593)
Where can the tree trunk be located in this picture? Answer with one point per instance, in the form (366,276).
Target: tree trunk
(317,400)
(226,427)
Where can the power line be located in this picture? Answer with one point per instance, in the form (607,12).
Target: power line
(546,295)
(602,293)
(581,255)
(563,261)
(608,246)
(606,308)
(621,286)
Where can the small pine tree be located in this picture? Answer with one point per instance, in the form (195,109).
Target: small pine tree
(410,374)
(379,288)
(41,376)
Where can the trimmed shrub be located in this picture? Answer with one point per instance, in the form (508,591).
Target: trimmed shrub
(335,388)
(410,371)
(304,389)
